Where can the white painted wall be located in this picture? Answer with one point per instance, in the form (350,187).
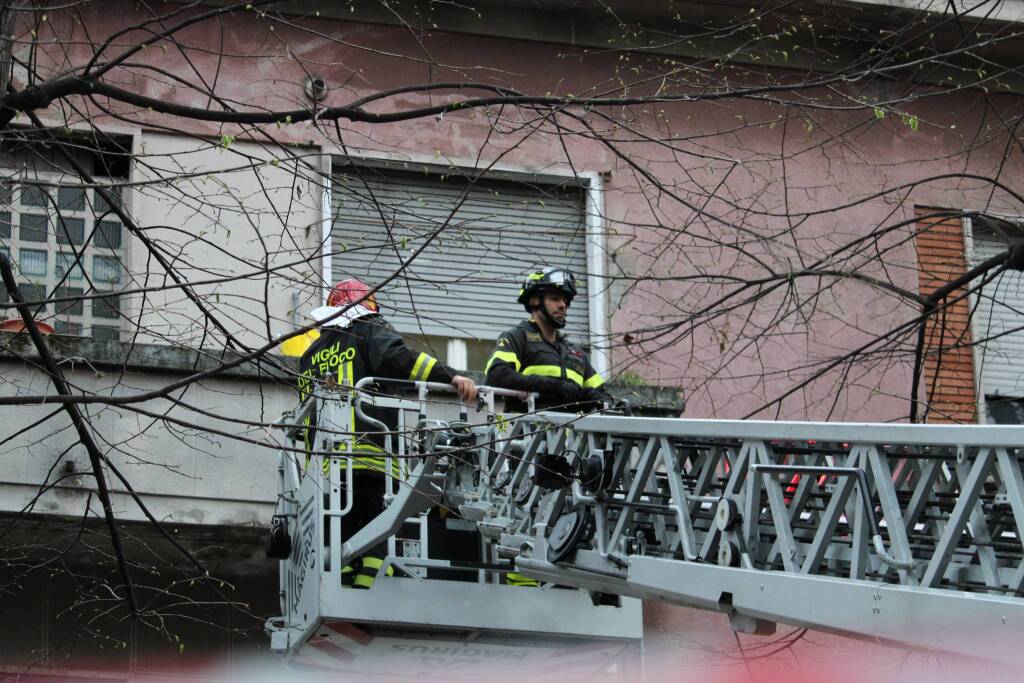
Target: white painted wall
(185,476)
(220,210)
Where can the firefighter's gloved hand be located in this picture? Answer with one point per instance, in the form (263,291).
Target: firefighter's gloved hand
(567,393)
(591,400)
(466,388)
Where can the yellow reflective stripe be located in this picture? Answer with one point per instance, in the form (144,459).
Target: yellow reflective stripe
(428,368)
(420,360)
(594,381)
(363,581)
(378,465)
(345,374)
(553,371)
(373,562)
(516,579)
(507,356)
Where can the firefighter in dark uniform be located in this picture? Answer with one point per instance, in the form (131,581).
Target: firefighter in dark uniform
(354,343)
(536,356)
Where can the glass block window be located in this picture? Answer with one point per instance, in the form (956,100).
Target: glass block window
(108,235)
(33,227)
(66,265)
(106,270)
(68,307)
(65,327)
(33,261)
(65,243)
(106,333)
(34,293)
(31,195)
(106,306)
(70,230)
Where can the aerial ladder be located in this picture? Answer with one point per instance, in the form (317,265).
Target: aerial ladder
(898,533)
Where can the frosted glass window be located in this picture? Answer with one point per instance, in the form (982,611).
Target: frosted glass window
(32,227)
(108,235)
(106,269)
(71,198)
(65,261)
(32,261)
(33,196)
(70,230)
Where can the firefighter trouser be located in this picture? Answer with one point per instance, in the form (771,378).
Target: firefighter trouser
(367,503)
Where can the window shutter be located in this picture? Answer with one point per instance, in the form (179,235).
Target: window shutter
(1000,314)
(465,282)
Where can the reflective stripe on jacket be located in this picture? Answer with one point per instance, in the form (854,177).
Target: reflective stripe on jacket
(522,353)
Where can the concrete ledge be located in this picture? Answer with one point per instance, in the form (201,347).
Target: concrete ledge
(149,357)
(648,400)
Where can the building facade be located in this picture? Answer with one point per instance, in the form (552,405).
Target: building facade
(757,202)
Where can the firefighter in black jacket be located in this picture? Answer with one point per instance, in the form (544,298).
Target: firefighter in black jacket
(353,344)
(536,356)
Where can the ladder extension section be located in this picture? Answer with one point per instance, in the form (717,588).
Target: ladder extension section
(903,533)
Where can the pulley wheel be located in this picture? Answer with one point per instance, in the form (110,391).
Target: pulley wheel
(728,554)
(571,528)
(523,492)
(727,514)
(503,479)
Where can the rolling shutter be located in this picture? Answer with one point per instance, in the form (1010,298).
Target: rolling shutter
(1000,318)
(465,282)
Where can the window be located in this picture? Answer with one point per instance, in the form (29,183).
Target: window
(502,229)
(997,324)
(66,245)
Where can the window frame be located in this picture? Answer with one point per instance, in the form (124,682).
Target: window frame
(60,252)
(590,183)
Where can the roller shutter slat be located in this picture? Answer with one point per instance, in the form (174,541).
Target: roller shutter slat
(498,234)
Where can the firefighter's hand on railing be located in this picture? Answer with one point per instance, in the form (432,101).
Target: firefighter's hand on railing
(465,387)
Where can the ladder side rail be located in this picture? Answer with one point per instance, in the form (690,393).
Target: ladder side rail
(849,432)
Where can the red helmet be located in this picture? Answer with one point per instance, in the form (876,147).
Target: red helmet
(350,291)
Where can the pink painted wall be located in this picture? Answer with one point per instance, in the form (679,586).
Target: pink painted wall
(736,169)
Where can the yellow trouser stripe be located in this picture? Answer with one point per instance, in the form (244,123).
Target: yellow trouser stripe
(553,371)
(420,360)
(594,381)
(516,579)
(373,562)
(507,356)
